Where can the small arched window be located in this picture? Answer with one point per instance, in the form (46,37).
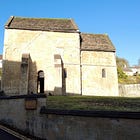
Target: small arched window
(103,73)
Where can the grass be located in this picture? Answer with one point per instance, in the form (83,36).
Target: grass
(93,103)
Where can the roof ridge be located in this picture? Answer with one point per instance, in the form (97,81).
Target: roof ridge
(95,33)
(41,18)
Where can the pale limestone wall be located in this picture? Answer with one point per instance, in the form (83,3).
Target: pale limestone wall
(129,90)
(42,46)
(92,81)
(73,83)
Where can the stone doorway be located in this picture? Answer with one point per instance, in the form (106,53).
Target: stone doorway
(40,81)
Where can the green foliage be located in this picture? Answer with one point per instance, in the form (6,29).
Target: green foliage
(121,74)
(122,77)
(121,63)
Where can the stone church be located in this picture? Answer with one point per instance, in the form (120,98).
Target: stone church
(51,56)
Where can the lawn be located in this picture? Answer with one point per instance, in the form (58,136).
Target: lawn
(93,103)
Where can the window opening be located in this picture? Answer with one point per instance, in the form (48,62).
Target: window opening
(103,73)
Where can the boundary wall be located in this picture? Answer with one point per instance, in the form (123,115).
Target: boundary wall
(129,90)
(28,114)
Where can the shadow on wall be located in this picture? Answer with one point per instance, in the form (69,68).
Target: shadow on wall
(18,75)
(23,78)
(32,77)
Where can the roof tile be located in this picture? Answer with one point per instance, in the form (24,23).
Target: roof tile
(96,42)
(45,24)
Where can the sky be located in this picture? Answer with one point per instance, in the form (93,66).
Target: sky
(120,19)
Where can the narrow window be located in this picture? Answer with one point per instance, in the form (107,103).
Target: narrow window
(103,73)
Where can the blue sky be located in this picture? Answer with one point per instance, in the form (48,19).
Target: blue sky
(120,19)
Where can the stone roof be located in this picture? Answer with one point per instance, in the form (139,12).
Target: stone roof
(93,42)
(43,24)
(96,42)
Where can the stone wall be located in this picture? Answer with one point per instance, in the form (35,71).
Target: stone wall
(42,46)
(93,82)
(55,53)
(129,90)
(62,127)
(23,113)
(19,114)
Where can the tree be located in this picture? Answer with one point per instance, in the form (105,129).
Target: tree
(121,62)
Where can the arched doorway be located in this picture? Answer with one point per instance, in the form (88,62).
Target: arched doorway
(40,82)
